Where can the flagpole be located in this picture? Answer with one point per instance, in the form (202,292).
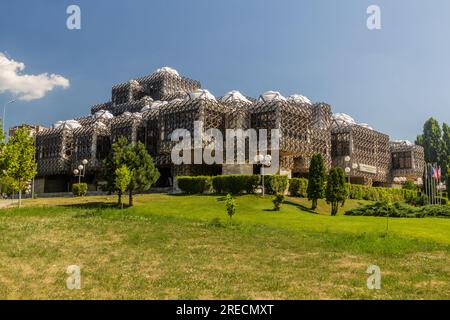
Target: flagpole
(425,183)
(430,181)
(429,184)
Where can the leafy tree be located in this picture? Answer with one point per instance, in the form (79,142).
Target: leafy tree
(316,180)
(431,141)
(122,180)
(18,160)
(448,184)
(120,154)
(446,147)
(230,204)
(336,191)
(143,171)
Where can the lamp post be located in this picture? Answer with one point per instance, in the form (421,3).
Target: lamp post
(80,171)
(347,168)
(4,113)
(263,161)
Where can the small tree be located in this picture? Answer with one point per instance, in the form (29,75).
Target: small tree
(143,172)
(121,154)
(18,160)
(122,181)
(278,201)
(230,204)
(316,180)
(336,192)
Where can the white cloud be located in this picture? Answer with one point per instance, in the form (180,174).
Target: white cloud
(27,86)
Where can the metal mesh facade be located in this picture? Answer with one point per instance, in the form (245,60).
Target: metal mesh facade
(407,160)
(150,108)
(368,150)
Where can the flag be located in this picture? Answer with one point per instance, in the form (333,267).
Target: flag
(438,173)
(433,172)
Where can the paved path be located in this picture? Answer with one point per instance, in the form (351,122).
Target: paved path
(5,203)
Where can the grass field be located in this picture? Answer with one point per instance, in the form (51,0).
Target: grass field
(171,246)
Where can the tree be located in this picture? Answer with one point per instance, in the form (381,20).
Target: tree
(336,192)
(120,154)
(230,204)
(431,141)
(316,180)
(143,171)
(122,181)
(446,146)
(18,160)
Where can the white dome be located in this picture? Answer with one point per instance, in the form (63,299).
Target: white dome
(103,114)
(342,118)
(234,96)
(365,125)
(271,96)
(404,142)
(154,105)
(67,124)
(168,70)
(298,98)
(100,125)
(200,94)
(345,119)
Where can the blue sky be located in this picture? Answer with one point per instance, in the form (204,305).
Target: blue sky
(393,78)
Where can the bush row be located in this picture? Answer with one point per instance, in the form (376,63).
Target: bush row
(399,210)
(79,189)
(248,183)
(360,192)
(297,187)
(232,183)
(194,184)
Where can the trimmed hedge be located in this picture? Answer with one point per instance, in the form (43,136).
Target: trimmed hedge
(275,183)
(79,189)
(399,210)
(194,184)
(361,192)
(297,187)
(235,183)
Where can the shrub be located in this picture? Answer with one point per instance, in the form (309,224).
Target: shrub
(230,205)
(399,210)
(409,185)
(235,183)
(361,192)
(278,201)
(194,185)
(275,183)
(297,187)
(79,189)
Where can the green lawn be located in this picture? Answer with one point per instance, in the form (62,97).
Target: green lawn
(171,246)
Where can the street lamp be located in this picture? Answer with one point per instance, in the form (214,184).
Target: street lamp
(348,169)
(264,160)
(4,113)
(81,169)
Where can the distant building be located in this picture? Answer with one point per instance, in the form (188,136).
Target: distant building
(34,129)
